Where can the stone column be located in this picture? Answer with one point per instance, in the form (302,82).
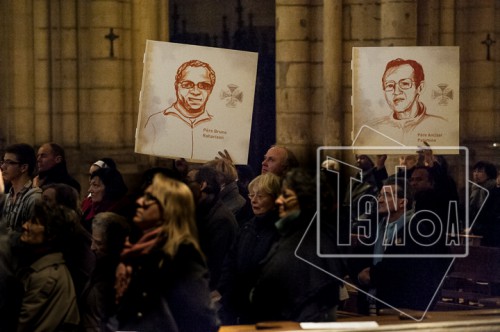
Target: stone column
(149,21)
(332,73)
(479,79)
(398,22)
(20,66)
(293,76)
(447,23)
(107,76)
(56,72)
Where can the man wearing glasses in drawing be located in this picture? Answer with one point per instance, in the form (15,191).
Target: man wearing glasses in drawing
(403,83)
(180,123)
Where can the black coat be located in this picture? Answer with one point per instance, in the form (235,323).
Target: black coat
(294,283)
(59,174)
(404,282)
(97,304)
(217,231)
(168,294)
(242,265)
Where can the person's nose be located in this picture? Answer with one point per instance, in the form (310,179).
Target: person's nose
(397,90)
(380,198)
(279,200)
(195,90)
(140,201)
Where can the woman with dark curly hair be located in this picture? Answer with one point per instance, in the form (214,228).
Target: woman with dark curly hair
(107,193)
(292,283)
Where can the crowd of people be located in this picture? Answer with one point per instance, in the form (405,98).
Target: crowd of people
(204,245)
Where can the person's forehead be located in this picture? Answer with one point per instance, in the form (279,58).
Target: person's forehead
(195,74)
(389,188)
(97,233)
(96,180)
(403,71)
(45,149)
(276,152)
(10,156)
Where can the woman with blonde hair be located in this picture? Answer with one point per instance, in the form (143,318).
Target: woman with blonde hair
(162,282)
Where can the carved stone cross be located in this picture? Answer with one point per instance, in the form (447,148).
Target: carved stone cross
(488,42)
(111,36)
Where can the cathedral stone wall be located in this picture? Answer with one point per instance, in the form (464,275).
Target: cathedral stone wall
(60,81)
(306,64)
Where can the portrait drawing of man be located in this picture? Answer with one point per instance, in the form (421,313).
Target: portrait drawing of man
(402,83)
(193,85)
(183,106)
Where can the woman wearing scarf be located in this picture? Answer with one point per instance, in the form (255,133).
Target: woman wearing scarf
(107,193)
(162,282)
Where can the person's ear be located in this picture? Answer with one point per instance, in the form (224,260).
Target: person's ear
(24,168)
(402,203)
(203,186)
(420,87)
(58,159)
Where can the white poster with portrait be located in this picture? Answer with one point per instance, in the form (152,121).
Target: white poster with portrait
(195,101)
(405,96)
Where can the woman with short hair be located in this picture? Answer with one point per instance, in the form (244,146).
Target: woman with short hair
(253,243)
(49,300)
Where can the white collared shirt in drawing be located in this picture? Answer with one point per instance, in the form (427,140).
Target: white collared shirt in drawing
(404,130)
(184,136)
(192,122)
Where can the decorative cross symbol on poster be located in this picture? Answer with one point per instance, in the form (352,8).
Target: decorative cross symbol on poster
(178,118)
(405,96)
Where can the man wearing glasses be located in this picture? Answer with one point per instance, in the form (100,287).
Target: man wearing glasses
(403,83)
(181,121)
(18,165)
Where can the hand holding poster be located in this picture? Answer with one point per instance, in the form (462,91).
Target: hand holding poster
(195,101)
(405,96)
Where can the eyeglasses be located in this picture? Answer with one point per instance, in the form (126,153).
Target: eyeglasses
(404,84)
(9,162)
(149,200)
(200,85)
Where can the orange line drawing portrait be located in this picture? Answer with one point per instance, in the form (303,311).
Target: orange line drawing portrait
(194,83)
(402,83)
(405,96)
(195,101)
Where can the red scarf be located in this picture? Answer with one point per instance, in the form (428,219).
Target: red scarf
(124,270)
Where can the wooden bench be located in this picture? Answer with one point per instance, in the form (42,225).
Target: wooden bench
(473,281)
